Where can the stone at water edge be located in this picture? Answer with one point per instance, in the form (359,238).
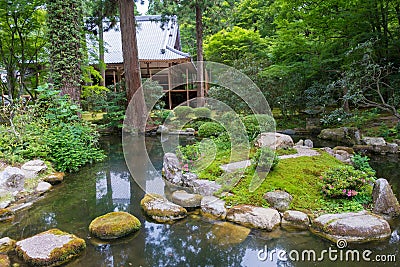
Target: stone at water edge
(7,245)
(43,187)
(162,210)
(54,178)
(51,248)
(279,199)
(12,179)
(374,141)
(213,206)
(114,225)
(346,135)
(385,202)
(255,217)
(33,168)
(185,199)
(352,226)
(293,219)
(308,143)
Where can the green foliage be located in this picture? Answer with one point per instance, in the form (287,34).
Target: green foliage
(202,112)
(209,129)
(265,159)
(182,112)
(52,130)
(336,118)
(362,163)
(344,182)
(258,123)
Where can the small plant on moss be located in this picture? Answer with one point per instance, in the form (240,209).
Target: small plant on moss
(182,112)
(202,112)
(362,163)
(209,129)
(258,123)
(265,159)
(344,182)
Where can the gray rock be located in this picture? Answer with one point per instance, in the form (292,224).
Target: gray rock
(39,250)
(43,187)
(231,167)
(190,130)
(293,219)
(352,227)
(205,187)
(342,155)
(256,217)
(392,148)
(385,202)
(5,204)
(300,143)
(308,143)
(33,168)
(213,206)
(172,171)
(160,209)
(162,129)
(185,199)
(274,140)
(13,179)
(289,132)
(279,200)
(346,135)
(374,141)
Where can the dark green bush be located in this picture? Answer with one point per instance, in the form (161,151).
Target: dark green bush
(202,112)
(344,182)
(209,129)
(182,112)
(265,158)
(258,123)
(362,163)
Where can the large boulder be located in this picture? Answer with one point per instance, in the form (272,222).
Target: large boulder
(293,219)
(374,141)
(114,225)
(162,210)
(12,179)
(255,217)
(345,135)
(213,206)
(385,202)
(185,199)
(228,234)
(274,140)
(352,227)
(172,171)
(279,200)
(50,248)
(33,168)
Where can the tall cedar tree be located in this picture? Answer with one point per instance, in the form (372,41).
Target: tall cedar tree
(65,24)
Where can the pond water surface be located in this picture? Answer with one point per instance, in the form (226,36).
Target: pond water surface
(194,241)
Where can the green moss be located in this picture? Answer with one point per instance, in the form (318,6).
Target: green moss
(114,225)
(161,213)
(286,151)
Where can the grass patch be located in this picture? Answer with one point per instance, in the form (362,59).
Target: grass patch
(286,151)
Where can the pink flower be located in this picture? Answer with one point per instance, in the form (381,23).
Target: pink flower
(344,191)
(185,167)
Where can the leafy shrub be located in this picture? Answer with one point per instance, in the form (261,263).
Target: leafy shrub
(202,112)
(209,129)
(258,123)
(265,159)
(336,117)
(183,112)
(362,163)
(344,182)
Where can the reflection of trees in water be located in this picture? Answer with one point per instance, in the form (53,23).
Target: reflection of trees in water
(186,244)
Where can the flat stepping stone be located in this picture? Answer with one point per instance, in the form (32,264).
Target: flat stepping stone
(231,167)
(114,225)
(185,199)
(254,217)
(213,206)
(162,210)
(293,219)
(51,248)
(302,151)
(352,227)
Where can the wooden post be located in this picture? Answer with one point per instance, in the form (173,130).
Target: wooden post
(187,86)
(148,69)
(115,82)
(169,86)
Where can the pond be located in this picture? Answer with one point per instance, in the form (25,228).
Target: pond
(194,241)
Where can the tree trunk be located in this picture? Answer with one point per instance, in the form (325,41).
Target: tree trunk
(200,66)
(136,113)
(101,54)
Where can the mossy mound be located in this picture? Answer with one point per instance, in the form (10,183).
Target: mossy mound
(51,248)
(114,225)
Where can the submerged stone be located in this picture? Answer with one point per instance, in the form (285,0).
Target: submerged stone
(227,234)
(51,248)
(352,227)
(114,225)
(162,210)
